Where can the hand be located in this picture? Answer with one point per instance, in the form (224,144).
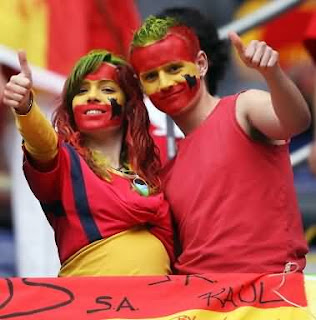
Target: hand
(257,55)
(17,92)
(312,159)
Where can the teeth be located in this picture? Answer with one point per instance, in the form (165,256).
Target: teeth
(94,112)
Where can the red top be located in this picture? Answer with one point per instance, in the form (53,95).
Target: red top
(83,208)
(310,37)
(233,200)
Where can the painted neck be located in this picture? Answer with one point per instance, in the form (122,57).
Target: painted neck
(109,145)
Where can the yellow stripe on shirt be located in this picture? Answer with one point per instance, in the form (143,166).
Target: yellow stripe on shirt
(128,253)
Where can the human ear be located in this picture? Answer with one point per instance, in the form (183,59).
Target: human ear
(202,63)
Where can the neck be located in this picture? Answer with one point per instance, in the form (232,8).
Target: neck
(189,120)
(108,144)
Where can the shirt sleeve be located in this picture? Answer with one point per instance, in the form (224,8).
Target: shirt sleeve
(40,138)
(47,185)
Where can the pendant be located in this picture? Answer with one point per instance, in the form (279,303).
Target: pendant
(141,187)
(138,184)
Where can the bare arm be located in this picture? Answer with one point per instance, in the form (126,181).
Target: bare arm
(279,114)
(40,137)
(312,155)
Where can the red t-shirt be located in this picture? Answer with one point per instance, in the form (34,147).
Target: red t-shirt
(233,200)
(83,208)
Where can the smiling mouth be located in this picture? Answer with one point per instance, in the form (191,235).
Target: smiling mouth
(168,95)
(88,112)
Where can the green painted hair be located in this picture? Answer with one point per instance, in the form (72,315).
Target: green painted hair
(153,29)
(86,65)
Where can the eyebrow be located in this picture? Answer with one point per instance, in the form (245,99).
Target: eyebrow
(102,82)
(149,72)
(174,62)
(107,81)
(84,82)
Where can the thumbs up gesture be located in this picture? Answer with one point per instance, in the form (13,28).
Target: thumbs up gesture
(17,92)
(257,55)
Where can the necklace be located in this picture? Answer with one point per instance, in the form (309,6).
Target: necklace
(138,183)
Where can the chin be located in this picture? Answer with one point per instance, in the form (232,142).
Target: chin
(182,110)
(98,132)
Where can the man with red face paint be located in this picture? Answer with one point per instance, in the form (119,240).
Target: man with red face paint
(230,186)
(97,177)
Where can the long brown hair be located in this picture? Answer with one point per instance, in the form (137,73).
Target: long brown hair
(138,148)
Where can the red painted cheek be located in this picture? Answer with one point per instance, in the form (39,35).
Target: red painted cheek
(176,99)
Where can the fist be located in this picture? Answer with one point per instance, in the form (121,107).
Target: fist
(257,55)
(17,92)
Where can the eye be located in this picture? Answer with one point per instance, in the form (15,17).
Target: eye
(151,76)
(108,90)
(82,90)
(174,68)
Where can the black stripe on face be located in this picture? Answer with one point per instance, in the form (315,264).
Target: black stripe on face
(191,80)
(116,108)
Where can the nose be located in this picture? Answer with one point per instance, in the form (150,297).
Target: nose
(165,81)
(93,94)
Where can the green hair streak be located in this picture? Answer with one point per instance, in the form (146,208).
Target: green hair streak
(153,29)
(86,65)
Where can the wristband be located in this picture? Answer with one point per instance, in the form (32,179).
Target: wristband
(29,106)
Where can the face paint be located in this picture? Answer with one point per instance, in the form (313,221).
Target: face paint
(116,109)
(178,97)
(152,56)
(168,73)
(99,103)
(105,71)
(191,80)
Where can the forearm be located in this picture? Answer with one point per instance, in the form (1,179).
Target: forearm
(288,103)
(40,139)
(314,108)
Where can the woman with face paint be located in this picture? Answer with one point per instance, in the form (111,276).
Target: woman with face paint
(96,176)
(237,210)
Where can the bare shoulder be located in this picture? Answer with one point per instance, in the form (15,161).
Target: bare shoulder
(248,101)
(252,97)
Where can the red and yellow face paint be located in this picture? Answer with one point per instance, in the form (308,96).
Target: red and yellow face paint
(98,105)
(168,73)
